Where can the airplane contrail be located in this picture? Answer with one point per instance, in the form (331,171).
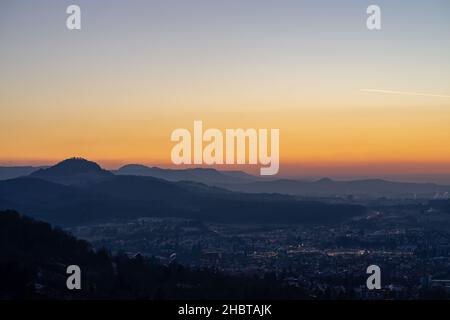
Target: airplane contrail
(406,93)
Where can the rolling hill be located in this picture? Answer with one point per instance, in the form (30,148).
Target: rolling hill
(202,175)
(12,172)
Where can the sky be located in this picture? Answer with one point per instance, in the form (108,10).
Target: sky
(114,91)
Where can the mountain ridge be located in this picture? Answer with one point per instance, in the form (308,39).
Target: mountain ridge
(73,171)
(51,198)
(203,175)
(295,187)
(78,171)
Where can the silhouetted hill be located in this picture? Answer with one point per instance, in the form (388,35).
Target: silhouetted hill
(203,175)
(61,204)
(134,188)
(34,258)
(328,187)
(73,171)
(17,171)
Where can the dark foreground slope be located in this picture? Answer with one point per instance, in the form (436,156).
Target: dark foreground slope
(34,258)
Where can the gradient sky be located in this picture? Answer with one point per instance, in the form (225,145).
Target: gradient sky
(114,91)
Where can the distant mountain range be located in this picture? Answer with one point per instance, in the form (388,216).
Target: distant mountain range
(15,172)
(77,191)
(85,172)
(243,182)
(203,175)
(372,188)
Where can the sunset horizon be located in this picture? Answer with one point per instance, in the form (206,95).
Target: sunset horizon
(217,159)
(394,171)
(345,97)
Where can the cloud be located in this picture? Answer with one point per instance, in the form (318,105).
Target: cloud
(407,93)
